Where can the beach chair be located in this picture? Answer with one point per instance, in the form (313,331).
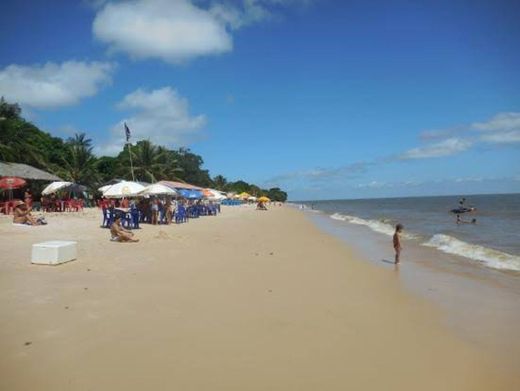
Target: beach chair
(108,218)
(181,215)
(135,217)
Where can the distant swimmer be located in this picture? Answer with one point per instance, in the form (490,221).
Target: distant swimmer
(397,242)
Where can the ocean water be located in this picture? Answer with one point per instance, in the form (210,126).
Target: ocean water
(494,241)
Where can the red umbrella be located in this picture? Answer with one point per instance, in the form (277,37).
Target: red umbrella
(11,182)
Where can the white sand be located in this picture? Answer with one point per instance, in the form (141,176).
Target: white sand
(244,301)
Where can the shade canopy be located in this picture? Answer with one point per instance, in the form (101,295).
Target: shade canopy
(244,195)
(123,189)
(180,185)
(26,172)
(190,194)
(264,199)
(158,189)
(11,182)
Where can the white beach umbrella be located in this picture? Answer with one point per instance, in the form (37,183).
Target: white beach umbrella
(102,189)
(218,195)
(55,186)
(157,189)
(252,198)
(123,189)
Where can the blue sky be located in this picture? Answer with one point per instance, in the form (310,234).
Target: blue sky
(327,99)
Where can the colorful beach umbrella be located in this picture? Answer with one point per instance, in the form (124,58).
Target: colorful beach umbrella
(264,199)
(244,195)
(11,182)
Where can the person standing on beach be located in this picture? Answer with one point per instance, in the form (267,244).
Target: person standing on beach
(397,242)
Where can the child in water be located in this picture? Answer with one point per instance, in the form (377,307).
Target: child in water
(397,242)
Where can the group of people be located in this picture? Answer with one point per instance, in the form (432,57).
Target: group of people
(153,210)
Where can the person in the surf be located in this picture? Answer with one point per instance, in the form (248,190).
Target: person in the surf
(397,242)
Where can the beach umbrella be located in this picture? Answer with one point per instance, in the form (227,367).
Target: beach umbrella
(213,195)
(244,195)
(123,189)
(158,189)
(252,198)
(11,182)
(63,186)
(55,186)
(190,194)
(264,199)
(102,189)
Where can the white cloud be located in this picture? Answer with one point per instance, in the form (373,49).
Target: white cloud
(177,30)
(53,85)
(173,31)
(161,115)
(446,147)
(500,122)
(503,128)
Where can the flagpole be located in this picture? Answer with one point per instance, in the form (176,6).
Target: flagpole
(128,143)
(131,164)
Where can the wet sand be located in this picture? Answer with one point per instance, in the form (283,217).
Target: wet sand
(480,303)
(247,300)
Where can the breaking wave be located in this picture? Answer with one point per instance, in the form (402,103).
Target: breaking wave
(491,258)
(448,244)
(383,226)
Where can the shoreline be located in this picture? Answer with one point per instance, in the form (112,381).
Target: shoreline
(480,303)
(246,300)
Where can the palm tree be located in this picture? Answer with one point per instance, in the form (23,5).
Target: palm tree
(79,165)
(153,163)
(220,182)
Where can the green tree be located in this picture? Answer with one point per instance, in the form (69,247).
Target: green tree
(80,164)
(276,194)
(192,171)
(151,162)
(219,182)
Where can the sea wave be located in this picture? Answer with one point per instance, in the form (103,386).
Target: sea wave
(382,226)
(489,257)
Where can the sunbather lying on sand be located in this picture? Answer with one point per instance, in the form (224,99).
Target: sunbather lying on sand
(119,234)
(22,215)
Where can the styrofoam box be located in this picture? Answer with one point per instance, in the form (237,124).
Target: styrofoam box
(54,252)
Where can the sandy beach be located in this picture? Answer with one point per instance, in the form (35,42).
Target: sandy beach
(247,300)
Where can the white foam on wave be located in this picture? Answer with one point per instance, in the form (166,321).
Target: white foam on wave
(491,258)
(381,226)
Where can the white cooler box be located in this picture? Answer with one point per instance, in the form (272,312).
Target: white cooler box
(54,252)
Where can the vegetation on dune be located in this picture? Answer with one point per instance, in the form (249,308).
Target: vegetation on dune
(73,159)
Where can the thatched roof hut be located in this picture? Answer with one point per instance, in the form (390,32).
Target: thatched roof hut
(26,172)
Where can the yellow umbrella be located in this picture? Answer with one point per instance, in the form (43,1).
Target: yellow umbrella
(264,199)
(244,195)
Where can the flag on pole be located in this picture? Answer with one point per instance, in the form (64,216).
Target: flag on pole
(127,133)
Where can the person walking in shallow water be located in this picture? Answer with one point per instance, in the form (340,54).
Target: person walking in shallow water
(397,242)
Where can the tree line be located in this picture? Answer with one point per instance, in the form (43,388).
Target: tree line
(73,159)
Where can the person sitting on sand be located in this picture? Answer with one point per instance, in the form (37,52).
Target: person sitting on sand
(261,206)
(120,234)
(397,242)
(22,215)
